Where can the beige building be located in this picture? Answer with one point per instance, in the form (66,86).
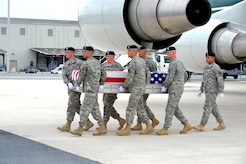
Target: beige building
(37,43)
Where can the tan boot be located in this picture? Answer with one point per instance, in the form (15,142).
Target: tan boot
(155,122)
(125,132)
(137,127)
(187,127)
(163,131)
(101,130)
(148,129)
(88,125)
(220,126)
(77,131)
(105,123)
(199,127)
(122,122)
(66,127)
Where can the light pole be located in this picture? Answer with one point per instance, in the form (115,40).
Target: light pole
(8,35)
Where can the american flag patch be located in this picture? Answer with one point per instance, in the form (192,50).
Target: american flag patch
(75,75)
(157,78)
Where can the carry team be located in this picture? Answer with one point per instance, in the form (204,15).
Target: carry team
(91,78)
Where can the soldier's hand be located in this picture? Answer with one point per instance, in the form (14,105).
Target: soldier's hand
(163,89)
(221,95)
(70,85)
(121,89)
(101,87)
(199,93)
(78,89)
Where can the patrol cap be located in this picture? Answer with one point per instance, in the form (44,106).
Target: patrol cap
(141,48)
(88,48)
(110,53)
(131,46)
(69,48)
(170,49)
(209,54)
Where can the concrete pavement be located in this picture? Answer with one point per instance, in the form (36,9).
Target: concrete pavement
(34,108)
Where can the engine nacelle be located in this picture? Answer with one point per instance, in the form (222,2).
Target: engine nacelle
(222,38)
(156,24)
(229,46)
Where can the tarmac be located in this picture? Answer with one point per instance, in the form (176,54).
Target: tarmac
(33,107)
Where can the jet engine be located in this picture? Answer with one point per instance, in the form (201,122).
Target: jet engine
(224,34)
(156,24)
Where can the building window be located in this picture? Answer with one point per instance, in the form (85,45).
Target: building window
(76,33)
(22,31)
(3,30)
(50,32)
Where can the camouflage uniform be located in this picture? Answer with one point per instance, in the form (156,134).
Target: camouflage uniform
(151,64)
(136,81)
(153,68)
(109,98)
(174,82)
(212,85)
(92,75)
(74,97)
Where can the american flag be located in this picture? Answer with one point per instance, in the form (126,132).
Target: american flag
(157,78)
(120,76)
(75,75)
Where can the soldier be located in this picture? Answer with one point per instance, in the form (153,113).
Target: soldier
(109,98)
(135,82)
(142,52)
(174,82)
(70,69)
(91,75)
(213,86)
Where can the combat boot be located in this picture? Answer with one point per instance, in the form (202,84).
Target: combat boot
(77,131)
(66,127)
(163,131)
(122,122)
(125,132)
(155,122)
(148,129)
(199,127)
(105,123)
(137,127)
(101,130)
(88,125)
(187,127)
(220,126)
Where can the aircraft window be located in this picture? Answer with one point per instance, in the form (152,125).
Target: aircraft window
(166,59)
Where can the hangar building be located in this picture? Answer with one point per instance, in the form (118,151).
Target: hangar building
(38,43)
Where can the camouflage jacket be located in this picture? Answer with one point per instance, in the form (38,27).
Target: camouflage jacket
(212,79)
(176,77)
(151,64)
(69,67)
(136,77)
(91,75)
(113,67)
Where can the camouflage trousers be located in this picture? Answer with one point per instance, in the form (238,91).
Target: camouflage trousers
(150,114)
(90,106)
(73,104)
(136,104)
(210,106)
(173,109)
(108,109)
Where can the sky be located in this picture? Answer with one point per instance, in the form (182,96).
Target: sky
(41,9)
